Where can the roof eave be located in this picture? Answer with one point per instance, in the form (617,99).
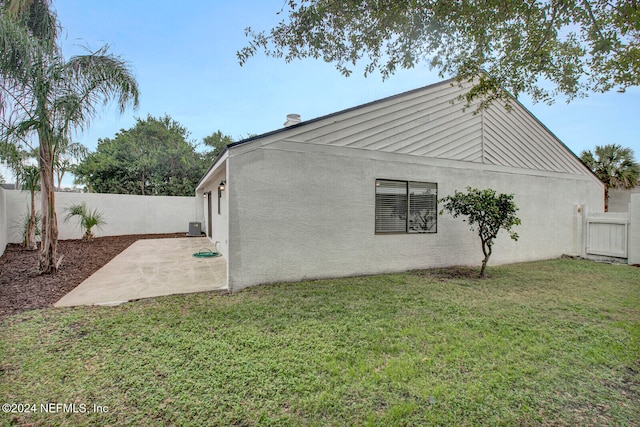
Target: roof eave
(222,157)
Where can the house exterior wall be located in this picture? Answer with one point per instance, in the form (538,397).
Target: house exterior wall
(219,220)
(301,200)
(124,214)
(302,211)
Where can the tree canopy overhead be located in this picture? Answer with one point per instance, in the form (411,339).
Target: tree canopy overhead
(540,47)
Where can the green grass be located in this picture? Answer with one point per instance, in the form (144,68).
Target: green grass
(545,343)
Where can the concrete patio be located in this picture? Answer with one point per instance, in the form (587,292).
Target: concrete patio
(151,268)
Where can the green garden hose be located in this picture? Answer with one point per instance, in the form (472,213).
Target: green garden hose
(206,253)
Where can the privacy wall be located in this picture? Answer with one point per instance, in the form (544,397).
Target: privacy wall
(3,222)
(124,214)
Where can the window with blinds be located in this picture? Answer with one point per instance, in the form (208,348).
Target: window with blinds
(406,207)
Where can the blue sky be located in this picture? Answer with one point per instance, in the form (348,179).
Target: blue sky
(184,58)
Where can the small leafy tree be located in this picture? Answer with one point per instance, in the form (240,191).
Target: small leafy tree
(89,218)
(487,213)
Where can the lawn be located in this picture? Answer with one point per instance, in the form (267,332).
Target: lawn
(545,343)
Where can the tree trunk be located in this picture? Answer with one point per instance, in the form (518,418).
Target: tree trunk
(484,265)
(486,250)
(59,175)
(30,235)
(48,261)
(606,198)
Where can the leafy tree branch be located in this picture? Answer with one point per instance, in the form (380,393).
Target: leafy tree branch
(542,48)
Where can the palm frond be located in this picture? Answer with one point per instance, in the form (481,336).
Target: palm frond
(88,218)
(97,78)
(75,210)
(30,178)
(20,53)
(36,15)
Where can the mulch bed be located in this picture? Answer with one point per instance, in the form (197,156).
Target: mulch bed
(22,288)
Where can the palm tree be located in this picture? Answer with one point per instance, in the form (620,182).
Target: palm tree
(614,165)
(44,98)
(30,181)
(89,218)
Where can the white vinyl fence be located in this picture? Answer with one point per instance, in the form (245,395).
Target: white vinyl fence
(607,234)
(614,234)
(124,214)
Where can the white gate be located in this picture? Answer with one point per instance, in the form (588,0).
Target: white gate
(607,234)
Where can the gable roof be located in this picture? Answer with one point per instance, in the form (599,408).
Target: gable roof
(431,121)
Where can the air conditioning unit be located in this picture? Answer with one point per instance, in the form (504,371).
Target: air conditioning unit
(195,229)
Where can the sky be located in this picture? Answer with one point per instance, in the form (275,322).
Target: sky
(183,56)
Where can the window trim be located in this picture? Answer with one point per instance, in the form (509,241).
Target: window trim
(408,211)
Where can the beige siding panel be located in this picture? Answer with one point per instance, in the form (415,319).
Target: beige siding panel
(515,138)
(355,131)
(414,120)
(432,122)
(502,154)
(450,137)
(471,151)
(504,135)
(390,134)
(424,125)
(337,129)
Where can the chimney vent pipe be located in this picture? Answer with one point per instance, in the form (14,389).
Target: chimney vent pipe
(292,119)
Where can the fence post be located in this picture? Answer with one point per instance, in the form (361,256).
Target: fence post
(634,230)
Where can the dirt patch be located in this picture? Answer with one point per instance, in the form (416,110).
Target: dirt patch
(448,273)
(22,288)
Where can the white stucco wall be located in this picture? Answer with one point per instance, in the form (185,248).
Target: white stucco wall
(124,214)
(4,237)
(300,211)
(634,229)
(619,199)
(218,232)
